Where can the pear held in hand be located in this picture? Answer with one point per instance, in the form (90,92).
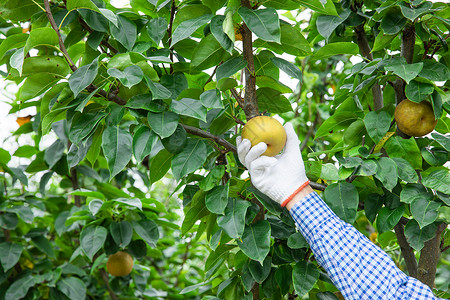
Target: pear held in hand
(268,130)
(415,119)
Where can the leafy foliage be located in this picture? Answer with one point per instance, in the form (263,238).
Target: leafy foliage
(134,113)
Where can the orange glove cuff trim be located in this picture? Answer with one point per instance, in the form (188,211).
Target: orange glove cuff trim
(285,202)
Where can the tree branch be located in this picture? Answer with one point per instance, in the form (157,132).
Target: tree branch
(62,47)
(106,281)
(201,133)
(310,131)
(361,39)
(250,101)
(318,186)
(429,257)
(407,251)
(173,9)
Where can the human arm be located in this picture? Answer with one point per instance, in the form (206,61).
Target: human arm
(359,268)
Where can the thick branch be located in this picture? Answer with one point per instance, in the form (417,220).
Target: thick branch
(62,47)
(429,257)
(250,101)
(318,186)
(361,39)
(407,251)
(201,133)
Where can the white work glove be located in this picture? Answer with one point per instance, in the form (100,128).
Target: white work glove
(280,177)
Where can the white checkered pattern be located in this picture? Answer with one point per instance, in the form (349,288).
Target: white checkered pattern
(358,268)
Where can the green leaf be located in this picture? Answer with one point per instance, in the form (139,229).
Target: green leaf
(164,124)
(260,271)
(406,148)
(160,164)
(212,178)
(18,10)
(121,233)
(72,287)
(77,4)
(382,41)
(125,32)
(438,180)
(338,121)
(83,125)
(443,140)
(147,230)
(195,212)
(297,241)
(19,288)
(208,53)
(92,239)
(417,91)
(83,77)
(158,90)
(216,26)
(336,49)
(264,23)
(230,67)
(144,140)
(343,200)
(405,71)
(188,27)
(233,220)
(266,81)
(190,159)
(157,28)
(211,99)
(388,218)
(417,237)
(292,42)
(41,36)
(176,142)
(434,71)
(304,277)
(405,171)
(393,22)
(217,199)
(144,101)
(377,124)
(424,211)
(283,277)
(116,145)
(10,254)
(54,153)
(129,77)
(12,42)
(413,13)
(189,107)
(43,244)
(326,24)
(272,206)
(387,172)
(16,60)
(271,100)
(325,7)
(287,67)
(255,242)
(434,156)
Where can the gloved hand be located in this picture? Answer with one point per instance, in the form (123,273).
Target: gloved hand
(280,177)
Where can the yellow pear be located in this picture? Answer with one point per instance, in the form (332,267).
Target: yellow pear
(119,264)
(268,130)
(415,119)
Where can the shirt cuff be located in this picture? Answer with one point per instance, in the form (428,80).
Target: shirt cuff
(310,214)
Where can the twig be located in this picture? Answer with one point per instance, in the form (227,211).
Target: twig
(407,250)
(212,75)
(201,133)
(318,186)
(310,131)
(106,281)
(238,98)
(250,101)
(62,47)
(173,9)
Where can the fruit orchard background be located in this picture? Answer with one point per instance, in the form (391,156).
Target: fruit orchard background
(128,118)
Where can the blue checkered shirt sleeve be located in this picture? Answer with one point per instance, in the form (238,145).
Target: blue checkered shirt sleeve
(358,268)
